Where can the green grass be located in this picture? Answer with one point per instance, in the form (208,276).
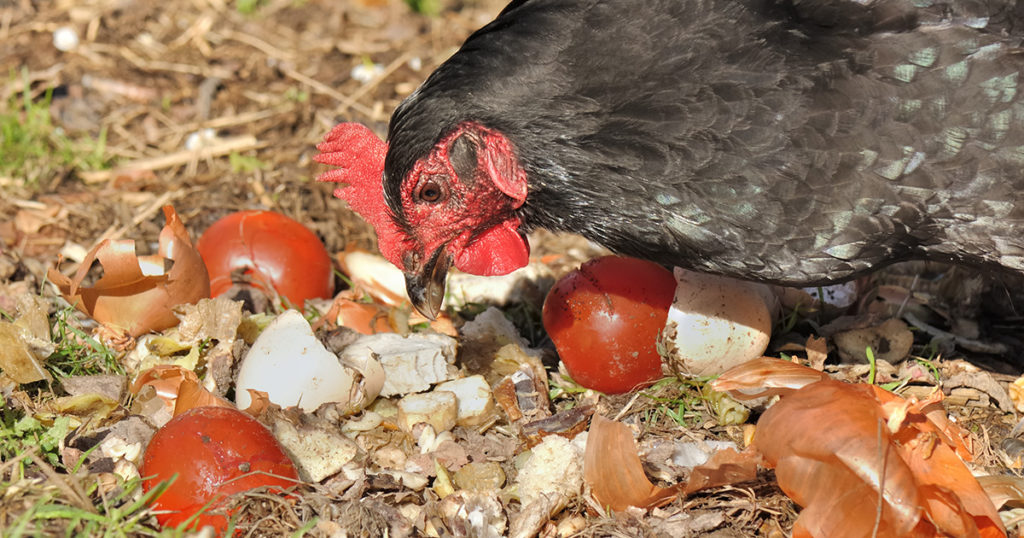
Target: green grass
(675,399)
(245,164)
(20,433)
(77,352)
(121,514)
(249,7)
(430,8)
(35,150)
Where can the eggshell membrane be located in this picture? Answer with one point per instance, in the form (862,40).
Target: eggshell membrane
(718,323)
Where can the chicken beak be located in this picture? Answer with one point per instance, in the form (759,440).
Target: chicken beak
(426,287)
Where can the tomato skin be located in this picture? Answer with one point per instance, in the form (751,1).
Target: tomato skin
(209,448)
(278,252)
(604,319)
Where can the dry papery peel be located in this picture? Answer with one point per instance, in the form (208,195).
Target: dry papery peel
(373,318)
(615,474)
(390,310)
(180,390)
(834,447)
(861,460)
(137,294)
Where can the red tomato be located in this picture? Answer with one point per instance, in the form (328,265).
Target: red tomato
(604,319)
(215,451)
(275,250)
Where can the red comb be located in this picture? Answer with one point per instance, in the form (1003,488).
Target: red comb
(359,156)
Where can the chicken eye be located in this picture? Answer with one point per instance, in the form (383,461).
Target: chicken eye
(431,192)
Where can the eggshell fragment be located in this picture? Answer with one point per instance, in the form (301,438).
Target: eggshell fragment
(318,450)
(294,368)
(473,395)
(385,282)
(411,363)
(715,323)
(553,474)
(438,409)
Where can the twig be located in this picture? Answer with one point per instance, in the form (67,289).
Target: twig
(324,89)
(30,78)
(259,44)
(238,119)
(143,214)
(369,86)
(222,147)
(969,344)
(626,407)
(5,24)
(77,496)
(156,65)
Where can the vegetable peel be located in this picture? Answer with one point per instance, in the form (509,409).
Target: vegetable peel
(137,294)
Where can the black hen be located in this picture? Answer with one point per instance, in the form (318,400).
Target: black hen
(795,142)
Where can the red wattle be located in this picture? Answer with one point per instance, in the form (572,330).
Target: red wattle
(498,251)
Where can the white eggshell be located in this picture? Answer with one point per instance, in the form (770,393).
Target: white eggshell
(387,282)
(716,323)
(409,363)
(473,395)
(288,363)
(440,409)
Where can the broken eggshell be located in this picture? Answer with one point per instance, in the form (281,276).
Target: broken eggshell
(137,294)
(294,368)
(715,323)
(386,283)
(411,363)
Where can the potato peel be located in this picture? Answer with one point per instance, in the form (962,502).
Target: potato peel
(136,295)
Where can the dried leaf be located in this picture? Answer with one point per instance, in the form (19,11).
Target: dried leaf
(16,358)
(1016,390)
(25,344)
(612,469)
(95,409)
(568,423)
(259,403)
(890,341)
(817,352)
(216,320)
(136,293)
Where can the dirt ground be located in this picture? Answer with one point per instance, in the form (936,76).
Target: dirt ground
(257,85)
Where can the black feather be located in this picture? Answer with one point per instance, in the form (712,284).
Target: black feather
(796,141)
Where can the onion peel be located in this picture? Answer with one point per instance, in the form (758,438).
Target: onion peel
(137,294)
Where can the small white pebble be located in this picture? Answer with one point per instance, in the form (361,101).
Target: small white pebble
(415,63)
(837,295)
(366,72)
(65,38)
(200,139)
